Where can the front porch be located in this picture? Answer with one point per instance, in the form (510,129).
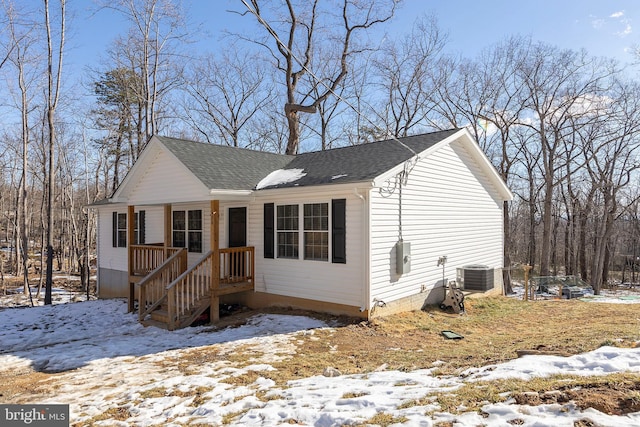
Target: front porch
(168,292)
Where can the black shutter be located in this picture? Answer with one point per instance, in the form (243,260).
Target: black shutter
(338,231)
(141,228)
(268,230)
(114,223)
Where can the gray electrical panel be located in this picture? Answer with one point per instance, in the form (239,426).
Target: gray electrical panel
(403,257)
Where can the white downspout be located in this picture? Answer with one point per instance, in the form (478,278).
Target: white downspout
(365,253)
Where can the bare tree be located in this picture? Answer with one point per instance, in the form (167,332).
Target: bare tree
(298,32)
(54,78)
(226,93)
(556,82)
(407,76)
(612,162)
(22,39)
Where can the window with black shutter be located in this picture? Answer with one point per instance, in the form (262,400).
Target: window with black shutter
(268,230)
(119,230)
(338,231)
(285,229)
(139,228)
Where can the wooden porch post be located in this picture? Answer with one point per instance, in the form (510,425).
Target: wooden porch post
(167,229)
(130,240)
(214,309)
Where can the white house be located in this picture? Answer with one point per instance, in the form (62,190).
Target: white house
(355,230)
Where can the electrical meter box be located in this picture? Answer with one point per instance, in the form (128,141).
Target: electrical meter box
(403,257)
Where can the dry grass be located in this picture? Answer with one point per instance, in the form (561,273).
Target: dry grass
(613,394)
(244,379)
(118,413)
(228,419)
(494,330)
(383,419)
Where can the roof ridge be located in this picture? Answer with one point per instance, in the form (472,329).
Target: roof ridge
(162,138)
(364,144)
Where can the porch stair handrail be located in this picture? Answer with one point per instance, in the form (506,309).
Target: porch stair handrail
(152,287)
(187,292)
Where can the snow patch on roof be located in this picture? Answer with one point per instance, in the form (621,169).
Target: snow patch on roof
(280,176)
(338,176)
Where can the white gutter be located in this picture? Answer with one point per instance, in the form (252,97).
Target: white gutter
(223,193)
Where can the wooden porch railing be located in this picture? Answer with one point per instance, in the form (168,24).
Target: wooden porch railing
(153,288)
(236,264)
(146,258)
(187,291)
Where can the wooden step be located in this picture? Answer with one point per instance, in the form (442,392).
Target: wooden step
(160,314)
(155,323)
(187,320)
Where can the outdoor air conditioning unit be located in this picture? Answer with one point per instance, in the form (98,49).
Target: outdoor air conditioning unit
(476,277)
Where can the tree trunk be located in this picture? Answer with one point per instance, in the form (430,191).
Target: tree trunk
(545,253)
(506,272)
(293,121)
(53,93)
(582,248)
(599,253)
(605,268)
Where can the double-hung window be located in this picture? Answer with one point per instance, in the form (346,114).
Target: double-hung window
(139,228)
(120,225)
(316,231)
(187,230)
(119,230)
(288,233)
(194,225)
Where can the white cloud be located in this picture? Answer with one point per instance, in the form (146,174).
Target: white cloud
(597,23)
(617,14)
(627,30)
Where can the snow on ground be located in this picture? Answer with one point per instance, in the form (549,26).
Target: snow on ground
(109,360)
(620,295)
(16,298)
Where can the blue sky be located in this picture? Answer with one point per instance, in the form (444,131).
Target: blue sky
(604,28)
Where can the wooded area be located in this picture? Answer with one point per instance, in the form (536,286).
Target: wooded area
(561,126)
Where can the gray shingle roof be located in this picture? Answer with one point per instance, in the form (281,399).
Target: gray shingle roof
(359,163)
(223,167)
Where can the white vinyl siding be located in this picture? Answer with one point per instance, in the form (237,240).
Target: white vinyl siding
(449,207)
(166,179)
(320,281)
